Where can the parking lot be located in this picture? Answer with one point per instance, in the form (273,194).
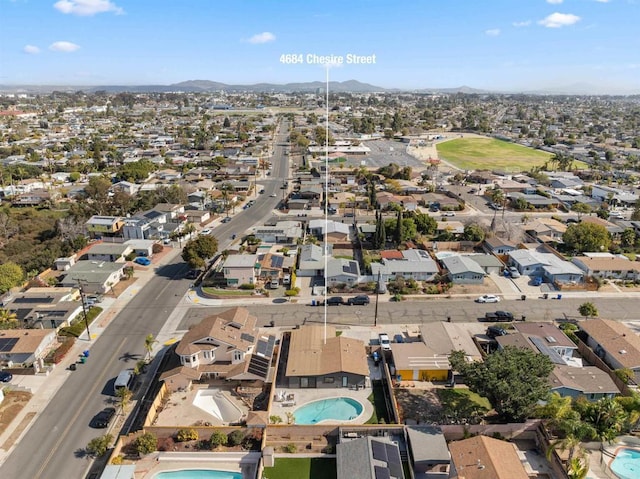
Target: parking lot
(384,152)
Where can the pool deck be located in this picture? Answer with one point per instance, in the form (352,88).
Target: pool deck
(180,409)
(304,396)
(155,463)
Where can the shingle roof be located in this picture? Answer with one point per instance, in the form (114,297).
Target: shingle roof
(483,457)
(586,380)
(617,339)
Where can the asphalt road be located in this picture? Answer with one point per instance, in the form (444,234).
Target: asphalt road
(424,311)
(54,445)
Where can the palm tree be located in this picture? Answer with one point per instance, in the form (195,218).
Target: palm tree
(8,319)
(124,398)
(578,468)
(149,342)
(497,198)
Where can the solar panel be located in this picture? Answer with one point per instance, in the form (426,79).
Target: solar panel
(379,451)
(394,462)
(7,344)
(381,472)
(258,366)
(34,300)
(247,337)
(276,261)
(265,346)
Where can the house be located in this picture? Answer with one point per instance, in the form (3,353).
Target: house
(587,382)
(540,262)
(489,263)
(241,269)
(95,276)
(33,198)
(25,347)
(546,230)
(125,187)
(498,246)
(535,201)
(111,252)
(368,458)
(340,270)
(298,204)
(608,267)
(616,196)
(613,229)
(98,226)
(462,269)
(415,361)
(284,232)
(272,266)
(483,457)
(171,210)
(410,263)
(338,362)
(455,228)
(428,452)
(544,338)
(47,308)
(614,343)
(312,260)
(198,217)
(226,345)
(336,232)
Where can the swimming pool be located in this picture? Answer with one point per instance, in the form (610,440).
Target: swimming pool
(336,409)
(198,474)
(626,464)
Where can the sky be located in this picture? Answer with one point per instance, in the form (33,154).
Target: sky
(497,45)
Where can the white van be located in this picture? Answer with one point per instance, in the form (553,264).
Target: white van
(124,380)
(286,279)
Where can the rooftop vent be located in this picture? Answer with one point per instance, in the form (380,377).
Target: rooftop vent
(623,351)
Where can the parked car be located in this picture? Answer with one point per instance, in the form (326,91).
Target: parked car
(385,344)
(448,214)
(192,274)
(398,338)
(272,195)
(226,219)
(103,418)
(335,301)
(206,231)
(536,281)
(142,261)
(488,298)
(5,376)
(513,272)
(495,331)
(261,191)
(361,300)
(499,316)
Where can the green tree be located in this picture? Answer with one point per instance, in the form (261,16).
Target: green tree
(577,468)
(473,232)
(608,418)
(397,234)
(581,209)
(628,238)
(11,275)
(197,251)
(425,224)
(588,310)
(74,176)
(98,446)
(124,396)
(187,434)
(146,443)
(583,237)
(236,437)
(218,438)
(635,216)
(513,379)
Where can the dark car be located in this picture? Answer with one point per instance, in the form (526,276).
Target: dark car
(359,300)
(226,219)
(103,418)
(499,316)
(5,377)
(192,274)
(335,301)
(494,331)
(398,338)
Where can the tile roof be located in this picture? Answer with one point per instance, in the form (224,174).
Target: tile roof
(617,339)
(483,457)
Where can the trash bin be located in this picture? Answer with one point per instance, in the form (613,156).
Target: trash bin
(83,359)
(523,297)
(524,318)
(72,366)
(85,353)
(559,296)
(545,295)
(313,302)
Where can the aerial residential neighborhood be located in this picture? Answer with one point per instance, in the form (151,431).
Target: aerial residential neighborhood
(299,275)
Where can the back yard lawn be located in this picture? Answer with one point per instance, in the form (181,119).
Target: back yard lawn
(302,468)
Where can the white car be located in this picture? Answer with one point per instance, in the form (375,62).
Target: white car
(205,231)
(272,195)
(488,298)
(385,344)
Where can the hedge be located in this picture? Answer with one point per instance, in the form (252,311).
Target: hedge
(77,328)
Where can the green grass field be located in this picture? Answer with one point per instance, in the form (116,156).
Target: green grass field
(489,153)
(302,468)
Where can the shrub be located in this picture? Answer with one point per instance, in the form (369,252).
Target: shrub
(236,437)
(218,438)
(59,354)
(292,292)
(98,446)
(187,435)
(145,444)
(79,327)
(397,297)
(118,460)
(624,374)
(290,448)
(157,248)
(246,286)
(275,419)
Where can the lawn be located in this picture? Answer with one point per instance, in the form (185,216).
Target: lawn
(302,468)
(227,292)
(489,153)
(376,398)
(461,403)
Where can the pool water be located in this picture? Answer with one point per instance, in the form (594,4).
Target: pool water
(336,409)
(198,474)
(626,464)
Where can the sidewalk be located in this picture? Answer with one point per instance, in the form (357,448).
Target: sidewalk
(45,386)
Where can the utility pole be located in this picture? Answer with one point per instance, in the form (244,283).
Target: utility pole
(84,310)
(375,314)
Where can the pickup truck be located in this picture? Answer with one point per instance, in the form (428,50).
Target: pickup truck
(498,316)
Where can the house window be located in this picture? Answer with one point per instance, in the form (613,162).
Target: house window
(329,380)
(237,355)
(187,359)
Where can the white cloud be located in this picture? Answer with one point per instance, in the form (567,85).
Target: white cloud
(64,47)
(554,2)
(526,23)
(603,1)
(31,49)
(494,32)
(557,20)
(264,37)
(87,8)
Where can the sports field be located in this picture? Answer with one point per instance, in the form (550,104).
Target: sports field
(490,154)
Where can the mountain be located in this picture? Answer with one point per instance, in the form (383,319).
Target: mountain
(346,86)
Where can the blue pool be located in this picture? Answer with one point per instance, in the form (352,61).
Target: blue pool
(626,464)
(334,409)
(198,474)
